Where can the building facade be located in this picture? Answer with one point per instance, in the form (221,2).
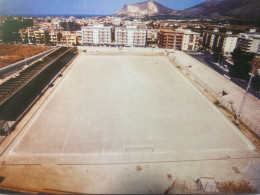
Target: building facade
(214,39)
(170,39)
(249,42)
(190,40)
(180,39)
(131,35)
(97,34)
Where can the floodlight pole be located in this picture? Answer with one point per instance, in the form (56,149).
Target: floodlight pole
(244,98)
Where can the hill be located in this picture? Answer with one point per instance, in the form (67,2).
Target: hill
(148,8)
(232,8)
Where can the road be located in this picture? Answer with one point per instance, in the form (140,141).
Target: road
(13,68)
(207,59)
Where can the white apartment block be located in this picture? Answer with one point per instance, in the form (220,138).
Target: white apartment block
(97,34)
(249,42)
(214,39)
(190,40)
(132,35)
(68,38)
(229,44)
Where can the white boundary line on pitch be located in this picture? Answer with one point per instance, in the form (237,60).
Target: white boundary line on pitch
(126,153)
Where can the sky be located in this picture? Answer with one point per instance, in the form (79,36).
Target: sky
(80,7)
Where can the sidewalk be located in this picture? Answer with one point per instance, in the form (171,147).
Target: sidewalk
(226,92)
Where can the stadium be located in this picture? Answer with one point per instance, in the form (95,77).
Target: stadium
(125,120)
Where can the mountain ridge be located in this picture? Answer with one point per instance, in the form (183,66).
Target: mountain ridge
(147,8)
(232,8)
(208,8)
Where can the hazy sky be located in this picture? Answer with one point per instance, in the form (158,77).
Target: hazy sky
(102,7)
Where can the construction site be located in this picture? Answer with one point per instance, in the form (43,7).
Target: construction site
(125,120)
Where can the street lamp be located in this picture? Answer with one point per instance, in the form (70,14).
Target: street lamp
(244,98)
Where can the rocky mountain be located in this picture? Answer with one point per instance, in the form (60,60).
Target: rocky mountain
(148,8)
(234,8)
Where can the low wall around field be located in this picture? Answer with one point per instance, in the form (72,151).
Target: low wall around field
(225,91)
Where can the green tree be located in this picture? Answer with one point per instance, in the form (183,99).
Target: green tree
(26,40)
(217,54)
(32,39)
(46,38)
(59,36)
(11,27)
(241,66)
(256,84)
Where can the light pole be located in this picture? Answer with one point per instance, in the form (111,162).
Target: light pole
(244,98)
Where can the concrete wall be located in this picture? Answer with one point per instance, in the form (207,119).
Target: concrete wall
(11,69)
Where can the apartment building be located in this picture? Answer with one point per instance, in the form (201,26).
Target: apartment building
(34,35)
(170,39)
(69,37)
(97,34)
(40,37)
(249,42)
(190,40)
(28,33)
(214,39)
(152,34)
(179,39)
(131,35)
(54,37)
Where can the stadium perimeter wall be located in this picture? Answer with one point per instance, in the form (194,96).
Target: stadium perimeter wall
(225,91)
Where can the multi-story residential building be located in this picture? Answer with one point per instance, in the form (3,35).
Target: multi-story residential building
(40,36)
(68,26)
(54,37)
(97,34)
(214,39)
(70,37)
(152,34)
(131,35)
(190,40)
(249,42)
(34,35)
(28,34)
(180,39)
(66,38)
(170,39)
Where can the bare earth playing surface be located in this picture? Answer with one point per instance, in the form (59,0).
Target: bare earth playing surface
(112,113)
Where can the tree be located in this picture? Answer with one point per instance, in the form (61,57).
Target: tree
(46,38)
(59,36)
(217,54)
(241,66)
(32,39)
(25,41)
(11,27)
(256,84)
